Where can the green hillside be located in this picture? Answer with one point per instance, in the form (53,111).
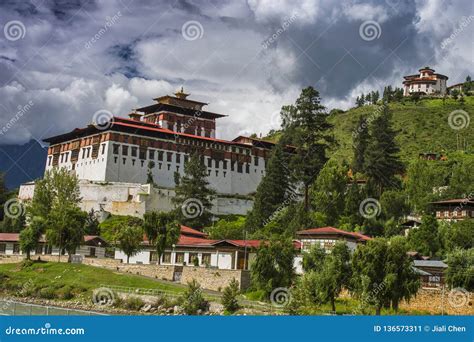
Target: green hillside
(423,127)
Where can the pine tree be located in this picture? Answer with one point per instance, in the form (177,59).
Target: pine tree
(161,230)
(149,173)
(360,142)
(307,129)
(229,297)
(273,190)
(194,197)
(381,160)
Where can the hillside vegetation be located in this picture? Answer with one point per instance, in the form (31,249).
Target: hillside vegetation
(423,127)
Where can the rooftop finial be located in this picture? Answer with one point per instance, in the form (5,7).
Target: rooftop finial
(181,94)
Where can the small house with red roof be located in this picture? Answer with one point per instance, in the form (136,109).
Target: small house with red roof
(327,237)
(194,248)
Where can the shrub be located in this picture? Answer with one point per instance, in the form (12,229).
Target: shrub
(193,299)
(163,301)
(26,264)
(65,292)
(133,303)
(47,293)
(229,297)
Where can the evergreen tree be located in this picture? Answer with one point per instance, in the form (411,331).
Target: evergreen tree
(328,191)
(149,173)
(360,142)
(272,191)
(229,297)
(425,238)
(194,196)
(368,98)
(381,160)
(91,226)
(307,129)
(3,195)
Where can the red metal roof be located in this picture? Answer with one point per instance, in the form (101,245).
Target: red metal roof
(190,231)
(15,237)
(332,230)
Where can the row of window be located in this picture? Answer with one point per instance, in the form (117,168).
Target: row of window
(193,258)
(141,154)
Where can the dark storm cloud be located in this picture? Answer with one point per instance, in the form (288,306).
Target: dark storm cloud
(247,60)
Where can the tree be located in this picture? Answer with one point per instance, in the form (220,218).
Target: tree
(162,231)
(422,177)
(149,173)
(394,204)
(368,268)
(229,296)
(129,240)
(360,142)
(328,191)
(462,179)
(313,260)
(460,272)
(334,274)
(193,301)
(459,235)
(272,192)
(455,93)
(3,195)
(425,238)
(29,237)
(402,281)
(56,200)
(91,226)
(306,129)
(391,228)
(66,228)
(273,265)
(194,196)
(110,228)
(381,159)
(230,227)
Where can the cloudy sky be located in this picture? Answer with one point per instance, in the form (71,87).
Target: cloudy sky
(61,61)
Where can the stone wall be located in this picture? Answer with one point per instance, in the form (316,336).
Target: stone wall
(435,301)
(214,279)
(153,271)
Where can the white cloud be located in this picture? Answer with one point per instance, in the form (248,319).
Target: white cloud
(266,10)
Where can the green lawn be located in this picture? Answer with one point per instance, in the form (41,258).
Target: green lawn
(83,277)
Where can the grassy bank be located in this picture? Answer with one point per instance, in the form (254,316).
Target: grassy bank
(66,281)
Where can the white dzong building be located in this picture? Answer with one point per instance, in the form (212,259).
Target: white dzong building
(111,159)
(426,82)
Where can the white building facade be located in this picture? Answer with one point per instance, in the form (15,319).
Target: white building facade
(427,82)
